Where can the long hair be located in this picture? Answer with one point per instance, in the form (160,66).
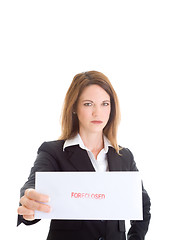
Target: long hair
(69,120)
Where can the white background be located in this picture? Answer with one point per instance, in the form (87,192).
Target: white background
(43,44)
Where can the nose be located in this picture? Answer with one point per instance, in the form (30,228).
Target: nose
(96,111)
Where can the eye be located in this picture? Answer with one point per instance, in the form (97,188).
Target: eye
(105,103)
(87,104)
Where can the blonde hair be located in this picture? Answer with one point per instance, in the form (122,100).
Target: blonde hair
(69,120)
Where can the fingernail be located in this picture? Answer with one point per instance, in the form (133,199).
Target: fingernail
(49,209)
(48,199)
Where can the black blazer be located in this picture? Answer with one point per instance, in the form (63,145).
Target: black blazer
(51,157)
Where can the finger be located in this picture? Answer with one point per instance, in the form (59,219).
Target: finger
(25,211)
(34,195)
(29,217)
(33,205)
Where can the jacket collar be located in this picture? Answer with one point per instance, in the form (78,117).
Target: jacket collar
(81,161)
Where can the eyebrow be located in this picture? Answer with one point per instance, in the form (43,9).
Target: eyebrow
(87,101)
(92,101)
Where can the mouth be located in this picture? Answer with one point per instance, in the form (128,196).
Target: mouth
(96,122)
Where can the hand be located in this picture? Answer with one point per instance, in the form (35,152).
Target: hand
(32,201)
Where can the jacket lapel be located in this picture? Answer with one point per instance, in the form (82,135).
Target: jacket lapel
(79,158)
(114,160)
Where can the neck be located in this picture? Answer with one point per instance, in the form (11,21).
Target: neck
(93,141)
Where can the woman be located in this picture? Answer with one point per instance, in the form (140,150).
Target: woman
(90,119)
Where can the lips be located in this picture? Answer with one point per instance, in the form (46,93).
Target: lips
(96,122)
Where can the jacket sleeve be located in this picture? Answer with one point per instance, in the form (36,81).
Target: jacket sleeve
(44,162)
(138,228)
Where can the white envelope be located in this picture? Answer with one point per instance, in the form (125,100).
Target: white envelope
(91,195)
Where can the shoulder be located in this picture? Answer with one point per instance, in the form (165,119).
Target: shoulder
(123,160)
(128,158)
(51,146)
(125,153)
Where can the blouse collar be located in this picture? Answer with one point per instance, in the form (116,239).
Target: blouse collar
(78,141)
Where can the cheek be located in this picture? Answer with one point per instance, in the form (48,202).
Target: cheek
(107,113)
(83,113)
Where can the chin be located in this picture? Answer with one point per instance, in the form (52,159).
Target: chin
(97,130)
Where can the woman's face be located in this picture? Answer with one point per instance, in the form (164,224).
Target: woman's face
(93,109)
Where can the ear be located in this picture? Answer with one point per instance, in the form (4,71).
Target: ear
(74,108)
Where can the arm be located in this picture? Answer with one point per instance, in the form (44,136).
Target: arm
(44,162)
(139,229)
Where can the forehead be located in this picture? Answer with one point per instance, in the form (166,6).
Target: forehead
(94,91)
